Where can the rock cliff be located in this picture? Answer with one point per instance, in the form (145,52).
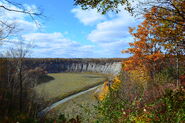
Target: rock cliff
(108,66)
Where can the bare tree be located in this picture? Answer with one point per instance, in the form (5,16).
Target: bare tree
(21,78)
(17,56)
(20,8)
(12,62)
(8,28)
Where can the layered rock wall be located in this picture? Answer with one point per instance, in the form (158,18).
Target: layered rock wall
(57,66)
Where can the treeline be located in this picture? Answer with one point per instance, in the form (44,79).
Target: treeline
(75,60)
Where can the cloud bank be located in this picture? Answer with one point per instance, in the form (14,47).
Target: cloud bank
(109,35)
(56,45)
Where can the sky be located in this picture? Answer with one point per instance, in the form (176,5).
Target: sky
(67,31)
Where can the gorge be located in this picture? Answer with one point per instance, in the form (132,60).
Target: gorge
(106,66)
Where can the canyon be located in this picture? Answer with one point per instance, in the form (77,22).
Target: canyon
(106,66)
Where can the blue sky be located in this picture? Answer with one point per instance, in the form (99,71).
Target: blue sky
(69,32)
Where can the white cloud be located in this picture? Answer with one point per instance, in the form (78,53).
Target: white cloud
(88,17)
(56,45)
(112,30)
(108,38)
(112,35)
(26,26)
(19,19)
(10,14)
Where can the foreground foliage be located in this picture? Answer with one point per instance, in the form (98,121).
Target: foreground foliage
(157,103)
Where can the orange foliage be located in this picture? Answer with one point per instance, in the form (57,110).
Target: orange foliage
(157,35)
(160,33)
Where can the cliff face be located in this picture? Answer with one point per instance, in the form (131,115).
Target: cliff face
(56,66)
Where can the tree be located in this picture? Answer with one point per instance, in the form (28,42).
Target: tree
(172,29)
(159,36)
(17,55)
(12,68)
(104,6)
(146,49)
(170,16)
(7,28)
(20,8)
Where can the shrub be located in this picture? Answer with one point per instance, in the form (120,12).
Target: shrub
(131,102)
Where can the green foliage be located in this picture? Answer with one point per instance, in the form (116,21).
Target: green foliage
(131,103)
(165,76)
(104,6)
(62,118)
(19,117)
(173,110)
(109,110)
(169,74)
(168,108)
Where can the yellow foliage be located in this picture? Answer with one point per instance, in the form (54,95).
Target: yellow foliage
(105,89)
(116,83)
(140,76)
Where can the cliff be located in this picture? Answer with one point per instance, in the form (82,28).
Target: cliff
(108,66)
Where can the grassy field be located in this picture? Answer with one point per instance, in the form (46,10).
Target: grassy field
(65,84)
(82,106)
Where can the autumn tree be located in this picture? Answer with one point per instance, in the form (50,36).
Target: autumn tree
(170,15)
(146,49)
(160,35)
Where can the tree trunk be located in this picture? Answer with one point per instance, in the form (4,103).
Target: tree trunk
(177,69)
(21,87)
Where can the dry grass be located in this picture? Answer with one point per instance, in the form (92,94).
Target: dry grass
(65,84)
(82,106)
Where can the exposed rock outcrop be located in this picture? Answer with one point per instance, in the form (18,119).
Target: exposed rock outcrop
(77,65)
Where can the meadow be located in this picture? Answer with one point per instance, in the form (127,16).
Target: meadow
(66,84)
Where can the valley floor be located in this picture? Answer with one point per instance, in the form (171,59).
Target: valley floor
(65,84)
